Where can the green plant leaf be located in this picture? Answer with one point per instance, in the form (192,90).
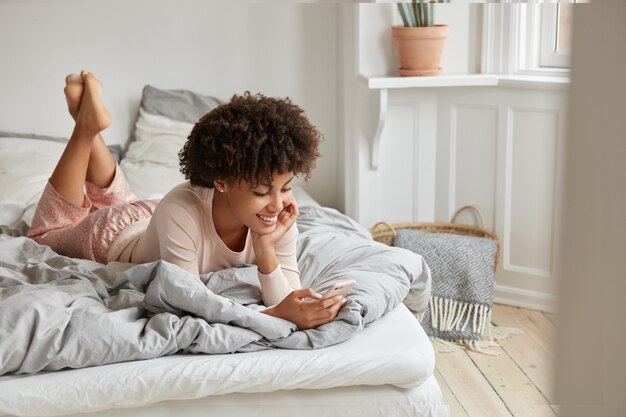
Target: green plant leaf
(431,15)
(403,14)
(416,14)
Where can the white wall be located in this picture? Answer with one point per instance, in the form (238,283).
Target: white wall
(213,48)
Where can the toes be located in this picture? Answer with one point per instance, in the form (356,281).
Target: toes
(86,75)
(92,83)
(73,89)
(73,78)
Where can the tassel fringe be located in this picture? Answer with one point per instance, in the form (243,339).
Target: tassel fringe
(451,315)
(445,346)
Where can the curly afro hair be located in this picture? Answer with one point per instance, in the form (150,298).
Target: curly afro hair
(250,138)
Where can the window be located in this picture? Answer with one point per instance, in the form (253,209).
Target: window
(565,21)
(532,38)
(556,34)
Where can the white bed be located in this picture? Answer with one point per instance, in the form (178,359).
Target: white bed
(385,370)
(343,379)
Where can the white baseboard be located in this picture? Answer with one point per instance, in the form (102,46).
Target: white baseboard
(525,298)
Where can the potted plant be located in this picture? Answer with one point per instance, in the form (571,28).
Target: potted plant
(419,42)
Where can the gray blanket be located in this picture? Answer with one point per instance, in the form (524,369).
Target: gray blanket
(58,312)
(462,290)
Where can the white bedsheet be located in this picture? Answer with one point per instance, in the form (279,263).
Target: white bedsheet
(394,350)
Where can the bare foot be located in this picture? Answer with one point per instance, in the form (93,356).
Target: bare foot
(92,116)
(73,93)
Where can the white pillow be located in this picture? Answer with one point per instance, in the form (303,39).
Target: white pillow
(149,125)
(158,139)
(11,214)
(25,167)
(165,119)
(149,180)
(151,161)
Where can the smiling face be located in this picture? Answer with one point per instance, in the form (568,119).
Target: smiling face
(254,207)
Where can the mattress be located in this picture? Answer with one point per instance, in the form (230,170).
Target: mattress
(389,364)
(356,401)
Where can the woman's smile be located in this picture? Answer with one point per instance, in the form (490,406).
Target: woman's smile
(268,221)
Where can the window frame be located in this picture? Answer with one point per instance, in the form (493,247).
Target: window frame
(548,55)
(512,41)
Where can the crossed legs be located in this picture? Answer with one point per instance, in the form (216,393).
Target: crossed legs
(86,156)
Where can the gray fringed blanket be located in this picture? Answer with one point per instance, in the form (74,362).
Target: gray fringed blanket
(462,290)
(58,312)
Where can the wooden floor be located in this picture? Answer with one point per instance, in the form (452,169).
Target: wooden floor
(516,383)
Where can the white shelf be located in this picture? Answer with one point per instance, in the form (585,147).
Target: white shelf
(534,81)
(445,80)
(376,82)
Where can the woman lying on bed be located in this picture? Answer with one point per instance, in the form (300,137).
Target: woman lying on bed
(237,207)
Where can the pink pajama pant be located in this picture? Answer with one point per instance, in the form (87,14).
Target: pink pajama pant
(88,232)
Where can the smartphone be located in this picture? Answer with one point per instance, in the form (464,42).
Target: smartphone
(339,288)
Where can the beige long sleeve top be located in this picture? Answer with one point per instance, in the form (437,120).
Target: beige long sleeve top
(181,231)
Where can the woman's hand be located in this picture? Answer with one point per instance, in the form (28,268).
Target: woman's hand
(264,244)
(307,314)
(286,218)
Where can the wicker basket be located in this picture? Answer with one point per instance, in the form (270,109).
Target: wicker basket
(384,232)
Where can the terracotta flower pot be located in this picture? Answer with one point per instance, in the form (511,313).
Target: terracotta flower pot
(419,49)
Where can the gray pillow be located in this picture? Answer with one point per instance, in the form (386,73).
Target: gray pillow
(116,150)
(183,105)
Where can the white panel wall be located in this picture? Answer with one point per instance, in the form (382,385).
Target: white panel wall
(397,167)
(472,160)
(501,150)
(530,191)
(213,48)
(496,148)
